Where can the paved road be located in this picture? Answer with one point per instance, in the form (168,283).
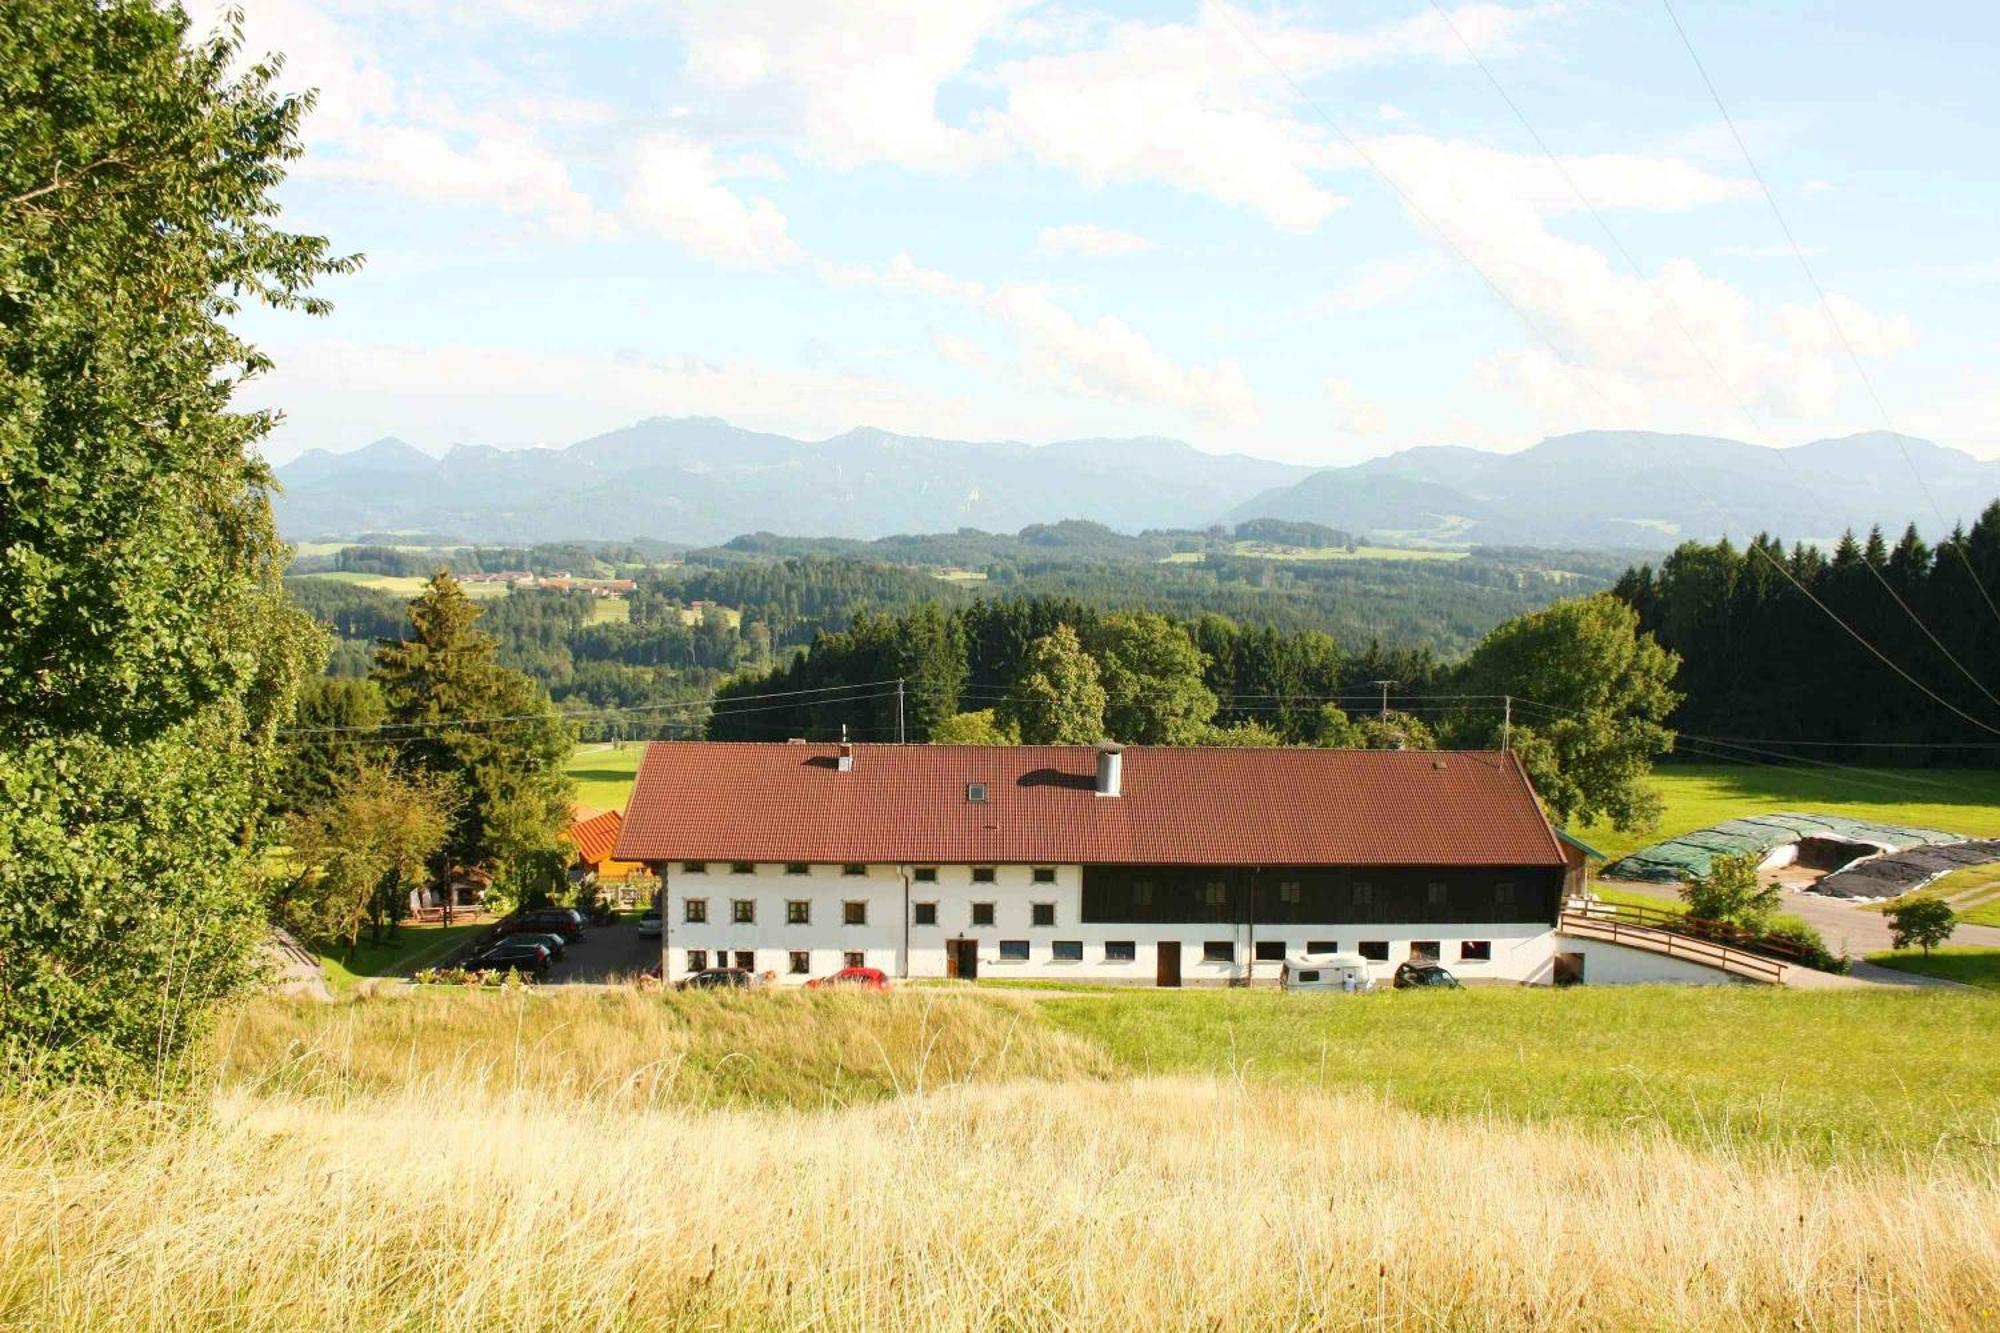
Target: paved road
(605,953)
(1844,925)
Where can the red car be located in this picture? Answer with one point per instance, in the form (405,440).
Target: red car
(860,978)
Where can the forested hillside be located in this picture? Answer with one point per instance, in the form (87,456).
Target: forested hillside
(1765,656)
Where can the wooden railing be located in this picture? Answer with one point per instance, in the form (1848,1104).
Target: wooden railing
(1663,932)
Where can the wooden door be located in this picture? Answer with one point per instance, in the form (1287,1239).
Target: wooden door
(961,959)
(1167,972)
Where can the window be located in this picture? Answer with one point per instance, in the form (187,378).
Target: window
(982,914)
(743,911)
(746,959)
(1045,874)
(854,913)
(1503,893)
(1044,914)
(1423,951)
(1375,951)
(1014,951)
(1142,893)
(1067,951)
(742,868)
(1289,891)
(923,914)
(694,867)
(1215,893)
(1364,894)
(694,911)
(854,868)
(801,962)
(797,868)
(975,792)
(1322,946)
(1475,951)
(854,958)
(1435,893)
(1308,975)
(926,874)
(1120,951)
(798,912)
(697,960)
(1270,951)
(1218,951)
(982,874)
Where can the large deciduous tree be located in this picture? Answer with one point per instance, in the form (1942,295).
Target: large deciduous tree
(1595,694)
(1058,699)
(1153,687)
(147,651)
(487,731)
(360,848)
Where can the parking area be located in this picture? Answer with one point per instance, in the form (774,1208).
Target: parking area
(605,954)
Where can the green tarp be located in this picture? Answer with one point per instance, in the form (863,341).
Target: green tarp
(1691,854)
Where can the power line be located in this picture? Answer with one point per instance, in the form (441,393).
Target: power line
(1826,306)
(1668,304)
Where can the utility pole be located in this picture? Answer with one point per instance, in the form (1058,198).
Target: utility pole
(1384,686)
(1507,725)
(900,738)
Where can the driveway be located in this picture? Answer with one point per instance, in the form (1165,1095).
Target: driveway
(1844,925)
(605,954)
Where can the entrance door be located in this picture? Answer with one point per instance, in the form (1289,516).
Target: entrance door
(961,959)
(1167,971)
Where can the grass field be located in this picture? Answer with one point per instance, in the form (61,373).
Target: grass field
(401,952)
(604,775)
(1266,551)
(962,1159)
(1965,801)
(608,611)
(406,585)
(1969,966)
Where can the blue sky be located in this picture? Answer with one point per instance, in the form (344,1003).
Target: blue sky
(1313,232)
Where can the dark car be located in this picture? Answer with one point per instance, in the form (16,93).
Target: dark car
(1419,976)
(564,921)
(551,941)
(512,956)
(717,978)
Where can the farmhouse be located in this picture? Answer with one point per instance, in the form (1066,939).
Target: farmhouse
(1149,865)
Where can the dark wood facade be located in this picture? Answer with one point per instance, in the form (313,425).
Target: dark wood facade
(1314,895)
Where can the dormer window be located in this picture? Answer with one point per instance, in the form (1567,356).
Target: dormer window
(975,793)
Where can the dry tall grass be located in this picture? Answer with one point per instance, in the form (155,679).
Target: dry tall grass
(921,1160)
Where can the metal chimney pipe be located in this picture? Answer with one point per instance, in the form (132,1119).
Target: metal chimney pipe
(1110,768)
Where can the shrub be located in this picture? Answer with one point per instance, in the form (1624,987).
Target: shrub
(1811,944)
(1923,920)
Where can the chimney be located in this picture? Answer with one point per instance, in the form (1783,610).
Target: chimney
(846,763)
(1110,768)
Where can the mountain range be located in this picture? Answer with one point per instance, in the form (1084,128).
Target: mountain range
(699,480)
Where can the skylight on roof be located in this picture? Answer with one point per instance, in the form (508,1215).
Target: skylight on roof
(975,792)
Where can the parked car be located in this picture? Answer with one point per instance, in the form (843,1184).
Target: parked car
(512,956)
(564,921)
(1419,976)
(649,926)
(553,942)
(1346,972)
(856,978)
(717,978)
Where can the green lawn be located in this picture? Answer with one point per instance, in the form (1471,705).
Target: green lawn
(608,611)
(402,951)
(1834,1073)
(405,585)
(1965,801)
(1974,967)
(604,775)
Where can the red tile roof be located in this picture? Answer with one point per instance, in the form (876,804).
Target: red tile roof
(596,837)
(729,801)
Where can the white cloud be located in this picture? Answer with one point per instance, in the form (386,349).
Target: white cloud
(1084,238)
(955,347)
(1386,280)
(1777,251)
(675,193)
(1350,415)
(508,171)
(1110,359)
(1816,187)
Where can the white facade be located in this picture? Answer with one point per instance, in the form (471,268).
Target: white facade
(1025,922)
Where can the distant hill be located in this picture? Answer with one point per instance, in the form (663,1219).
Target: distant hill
(698,481)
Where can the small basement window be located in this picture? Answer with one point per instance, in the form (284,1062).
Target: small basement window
(854,868)
(742,868)
(743,911)
(694,911)
(854,913)
(1120,951)
(1045,874)
(926,875)
(1014,951)
(697,960)
(801,962)
(1270,951)
(797,868)
(923,914)
(1475,951)
(798,912)
(1044,914)
(694,867)
(983,874)
(1375,951)
(982,914)
(1424,951)
(1322,946)
(975,792)
(746,959)
(854,958)
(1218,951)
(1066,951)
